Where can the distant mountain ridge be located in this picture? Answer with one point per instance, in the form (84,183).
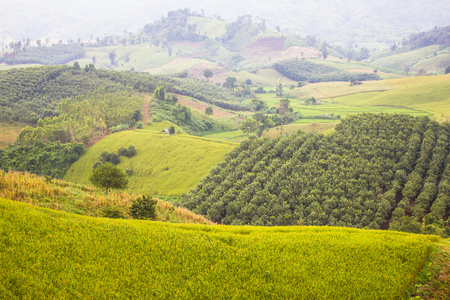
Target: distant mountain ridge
(344,20)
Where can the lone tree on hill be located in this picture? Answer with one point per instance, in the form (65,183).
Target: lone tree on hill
(249,125)
(230,83)
(447,70)
(160,93)
(107,176)
(209,110)
(207,73)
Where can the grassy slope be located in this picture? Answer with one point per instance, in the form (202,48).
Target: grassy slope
(332,105)
(9,133)
(179,65)
(433,64)
(327,90)
(264,77)
(81,199)
(409,59)
(50,254)
(212,28)
(164,165)
(429,93)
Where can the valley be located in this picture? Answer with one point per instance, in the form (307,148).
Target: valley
(203,158)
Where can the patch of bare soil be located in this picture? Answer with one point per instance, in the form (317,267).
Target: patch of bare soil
(219,73)
(201,106)
(146,112)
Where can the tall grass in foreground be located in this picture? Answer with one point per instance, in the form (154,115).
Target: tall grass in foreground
(55,255)
(81,199)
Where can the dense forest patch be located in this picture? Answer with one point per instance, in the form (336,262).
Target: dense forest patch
(302,70)
(54,55)
(49,159)
(374,171)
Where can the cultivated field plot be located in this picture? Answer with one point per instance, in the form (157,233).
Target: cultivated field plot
(201,106)
(50,254)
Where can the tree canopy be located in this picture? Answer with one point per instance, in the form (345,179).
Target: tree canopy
(108,176)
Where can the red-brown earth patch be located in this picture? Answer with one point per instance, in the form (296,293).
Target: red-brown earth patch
(201,106)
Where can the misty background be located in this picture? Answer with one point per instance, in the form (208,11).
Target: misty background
(342,21)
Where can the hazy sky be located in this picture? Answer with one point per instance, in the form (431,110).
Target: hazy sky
(324,18)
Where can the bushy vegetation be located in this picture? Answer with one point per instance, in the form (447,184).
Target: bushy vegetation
(240,32)
(174,27)
(182,116)
(302,70)
(109,258)
(143,208)
(200,90)
(49,159)
(35,93)
(164,164)
(81,118)
(82,199)
(54,55)
(435,36)
(95,101)
(370,166)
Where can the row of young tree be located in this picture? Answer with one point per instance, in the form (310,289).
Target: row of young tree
(302,70)
(375,171)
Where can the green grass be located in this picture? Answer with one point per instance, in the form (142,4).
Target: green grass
(9,133)
(410,58)
(55,255)
(427,93)
(179,65)
(330,90)
(212,28)
(82,199)
(264,78)
(434,64)
(164,165)
(229,136)
(334,105)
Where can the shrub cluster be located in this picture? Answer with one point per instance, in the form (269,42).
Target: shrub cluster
(49,159)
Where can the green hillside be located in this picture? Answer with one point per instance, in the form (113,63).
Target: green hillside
(414,60)
(411,95)
(374,171)
(426,93)
(83,199)
(164,164)
(50,254)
